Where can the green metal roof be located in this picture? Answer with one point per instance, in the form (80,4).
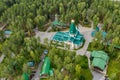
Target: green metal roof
(79,41)
(98,62)
(104,34)
(25,76)
(79,38)
(64,36)
(117,46)
(58,23)
(100,59)
(72,28)
(51,72)
(97,28)
(30,63)
(100,54)
(60,36)
(46,66)
(93,33)
(72,39)
(8,32)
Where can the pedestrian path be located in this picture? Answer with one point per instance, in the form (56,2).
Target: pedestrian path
(2,58)
(49,28)
(1,28)
(87,34)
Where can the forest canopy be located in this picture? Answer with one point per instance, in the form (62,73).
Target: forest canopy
(22,16)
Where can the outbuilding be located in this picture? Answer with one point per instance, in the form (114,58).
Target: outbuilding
(99,60)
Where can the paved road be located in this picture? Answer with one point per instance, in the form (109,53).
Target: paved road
(37,74)
(97,76)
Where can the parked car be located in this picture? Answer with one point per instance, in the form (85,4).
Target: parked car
(45,51)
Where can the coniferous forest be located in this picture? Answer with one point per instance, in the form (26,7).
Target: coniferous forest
(23,16)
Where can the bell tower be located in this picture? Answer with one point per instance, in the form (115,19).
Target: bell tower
(72,30)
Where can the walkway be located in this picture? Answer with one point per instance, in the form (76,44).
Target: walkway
(2,58)
(96,75)
(1,28)
(49,28)
(83,51)
(87,35)
(44,35)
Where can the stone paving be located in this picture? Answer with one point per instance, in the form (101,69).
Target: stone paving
(87,35)
(44,35)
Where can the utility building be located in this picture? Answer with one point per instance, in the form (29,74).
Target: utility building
(99,60)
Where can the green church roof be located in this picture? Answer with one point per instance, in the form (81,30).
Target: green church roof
(72,28)
(60,36)
(46,66)
(76,39)
(64,36)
